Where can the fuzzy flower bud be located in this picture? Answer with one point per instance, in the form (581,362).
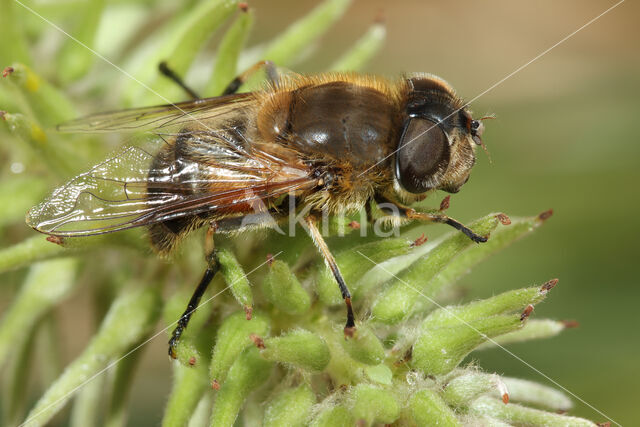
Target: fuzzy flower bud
(232,339)
(299,348)
(282,288)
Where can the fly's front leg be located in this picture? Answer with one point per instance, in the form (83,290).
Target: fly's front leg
(212,267)
(399,210)
(317,238)
(268,66)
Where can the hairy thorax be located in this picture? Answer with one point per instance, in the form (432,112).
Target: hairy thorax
(345,128)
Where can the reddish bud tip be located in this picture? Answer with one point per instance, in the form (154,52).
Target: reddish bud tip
(549,285)
(379,19)
(7,71)
(248,311)
(502,389)
(257,341)
(570,324)
(215,385)
(354,225)
(2,115)
(606,424)
(445,203)
(270,259)
(349,332)
(527,312)
(545,215)
(192,360)
(243,6)
(504,219)
(55,239)
(419,241)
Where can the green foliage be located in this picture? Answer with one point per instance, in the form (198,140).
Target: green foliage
(288,360)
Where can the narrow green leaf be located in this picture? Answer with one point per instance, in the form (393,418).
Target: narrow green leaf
(398,300)
(188,33)
(534,329)
(504,303)
(202,413)
(189,385)
(46,284)
(50,105)
(17,375)
(439,351)
(248,372)
(130,317)
(30,132)
(500,238)
(87,402)
(14,48)
(74,59)
(37,248)
(285,48)
(534,394)
(364,49)
(226,66)
(116,415)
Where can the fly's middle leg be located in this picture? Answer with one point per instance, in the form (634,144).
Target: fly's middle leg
(212,268)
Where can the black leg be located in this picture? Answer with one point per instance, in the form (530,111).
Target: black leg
(191,307)
(239,81)
(164,69)
(428,217)
(212,268)
(316,236)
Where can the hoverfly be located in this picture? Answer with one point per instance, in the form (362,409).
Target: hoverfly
(334,142)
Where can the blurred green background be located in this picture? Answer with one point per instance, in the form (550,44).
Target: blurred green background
(564,138)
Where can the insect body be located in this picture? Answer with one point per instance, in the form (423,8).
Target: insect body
(324,143)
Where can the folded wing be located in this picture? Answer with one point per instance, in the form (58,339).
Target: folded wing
(183,165)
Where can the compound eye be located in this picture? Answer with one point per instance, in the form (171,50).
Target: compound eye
(423,155)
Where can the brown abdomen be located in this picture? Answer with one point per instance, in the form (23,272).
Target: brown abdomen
(340,120)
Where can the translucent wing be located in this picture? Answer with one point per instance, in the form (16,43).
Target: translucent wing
(193,171)
(161,116)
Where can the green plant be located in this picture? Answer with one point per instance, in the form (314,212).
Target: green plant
(289,364)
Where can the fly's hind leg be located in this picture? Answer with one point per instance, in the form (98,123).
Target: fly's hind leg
(212,267)
(316,236)
(236,83)
(166,71)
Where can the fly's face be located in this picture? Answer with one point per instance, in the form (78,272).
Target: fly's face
(436,150)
